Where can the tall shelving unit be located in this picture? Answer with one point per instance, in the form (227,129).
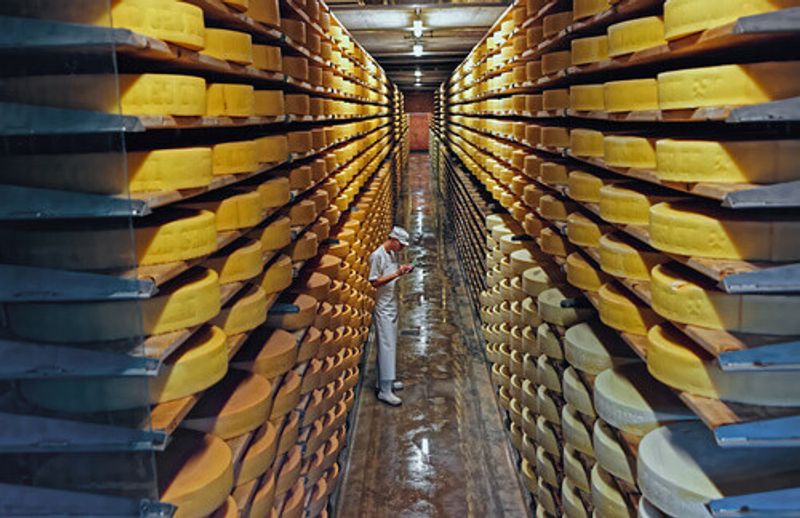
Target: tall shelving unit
(619,173)
(190,191)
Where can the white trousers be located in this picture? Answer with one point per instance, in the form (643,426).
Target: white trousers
(385,320)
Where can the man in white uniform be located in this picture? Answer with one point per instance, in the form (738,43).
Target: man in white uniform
(385,269)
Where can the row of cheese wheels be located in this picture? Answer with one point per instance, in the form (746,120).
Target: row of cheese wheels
(680,19)
(182,24)
(155,94)
(170,169)
(287,390)
(580,403)
(682,226)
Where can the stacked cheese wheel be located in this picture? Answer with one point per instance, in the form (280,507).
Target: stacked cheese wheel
(567,138)
(267,172)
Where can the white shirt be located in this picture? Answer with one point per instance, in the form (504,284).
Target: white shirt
(383,263)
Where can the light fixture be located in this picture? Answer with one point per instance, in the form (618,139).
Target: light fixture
(417,28)
(418,73)
(417,49)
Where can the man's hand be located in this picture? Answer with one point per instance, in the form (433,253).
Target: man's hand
(405,268)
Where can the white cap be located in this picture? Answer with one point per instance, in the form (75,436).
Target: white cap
(400,234)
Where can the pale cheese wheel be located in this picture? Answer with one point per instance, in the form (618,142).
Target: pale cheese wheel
(576,474)
(585,186)
(553,243)
(577,433)
(635,35)
(546,468)
(555,306)
(241,261)
(275,192)
(589,50)
(696,229)
(608,500)
(576,393)
(571,501)
(629,399)
(586,143)
(587,98)
(546,437)
(610,453)
(624,312)
(592,348)
(277,235)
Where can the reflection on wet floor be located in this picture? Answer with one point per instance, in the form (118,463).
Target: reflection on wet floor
(444,452)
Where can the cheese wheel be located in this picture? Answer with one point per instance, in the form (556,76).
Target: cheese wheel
(576,393)
(576,432)
(227,45)
(102,173)
(174,22)
(582,274)
(545,468)
(554,23)
(698,230)
(298,104)
(585,186)
(586,143)
(235,157)
(295,67)
(546,437)
(610,454)
(571,501)
(275,192)
(272,149)
(636,152)
(683,17)
(591,347)
(589,50)
(585,232)
(265,11)
(576,474)
(227,510)
(554,136)
(277,234)
(629,203)
(587,98)
(555,306)
(259,456)
(553,243)
(623,257)
(232,211)
(533,71)
(728,85)
(293,312)
(287,398)
(238,404)
(195,366)
(556,209)
(555,99)
(278,275)
(269,353)
(269,103)
(635,35)
(548,378)
(587,8)
(628,399)
(268,58)
(608,500)
(239,262)
(545,499)
(190,300)
(630,95)
(753,161)
(303,248)
(675,360)
(230,100)
(247,312)
(681,469)
(624,312)
(553,62)
(299,141)
(136,94)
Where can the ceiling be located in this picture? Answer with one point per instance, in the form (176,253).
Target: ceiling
(449,33)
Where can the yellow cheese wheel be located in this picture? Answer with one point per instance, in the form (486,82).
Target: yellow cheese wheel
(233,211)
(626,258)
(269,103)
(194,473)
(635,35)
(294,29)
(228,45)
(272,149)
(227,510)
(230,100)
(278,275)
(676,361)
(586,98)
(238,404)
(688,228)
(187,301)
(683,17)
(303,213)
(275,192)
(277,235)
(286,398)
(631,95)
(753,161)
(586,143)
(555,136)
(589,50)
(582,274)
(246,312)
(299,141)
(553,208)
(259,456)
(554,23)
(624,151)
(555,99)
(553,62)
(265,11)
(552,173)
(553,243)
(174,22)
(195,366)
(587,8)
(624,312)
(239,262)
(689,299)
(235,157)
(728,85)
(591,347)
(585,186)
(303,248)
(306,309)
(629,202)
(267,353)
(267,57)
(553,307)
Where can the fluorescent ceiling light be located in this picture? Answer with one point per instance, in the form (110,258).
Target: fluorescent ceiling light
(417,28)
(417,49)
(418,73)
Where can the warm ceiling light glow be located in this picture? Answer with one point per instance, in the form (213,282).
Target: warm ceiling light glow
(417,28)
(417,49)
(418,73)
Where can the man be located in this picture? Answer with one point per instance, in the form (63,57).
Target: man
(385,269)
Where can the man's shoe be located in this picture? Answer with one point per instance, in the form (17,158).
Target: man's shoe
(398,385)
(389,398)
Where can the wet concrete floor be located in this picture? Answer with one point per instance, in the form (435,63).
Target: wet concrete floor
(444,452)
